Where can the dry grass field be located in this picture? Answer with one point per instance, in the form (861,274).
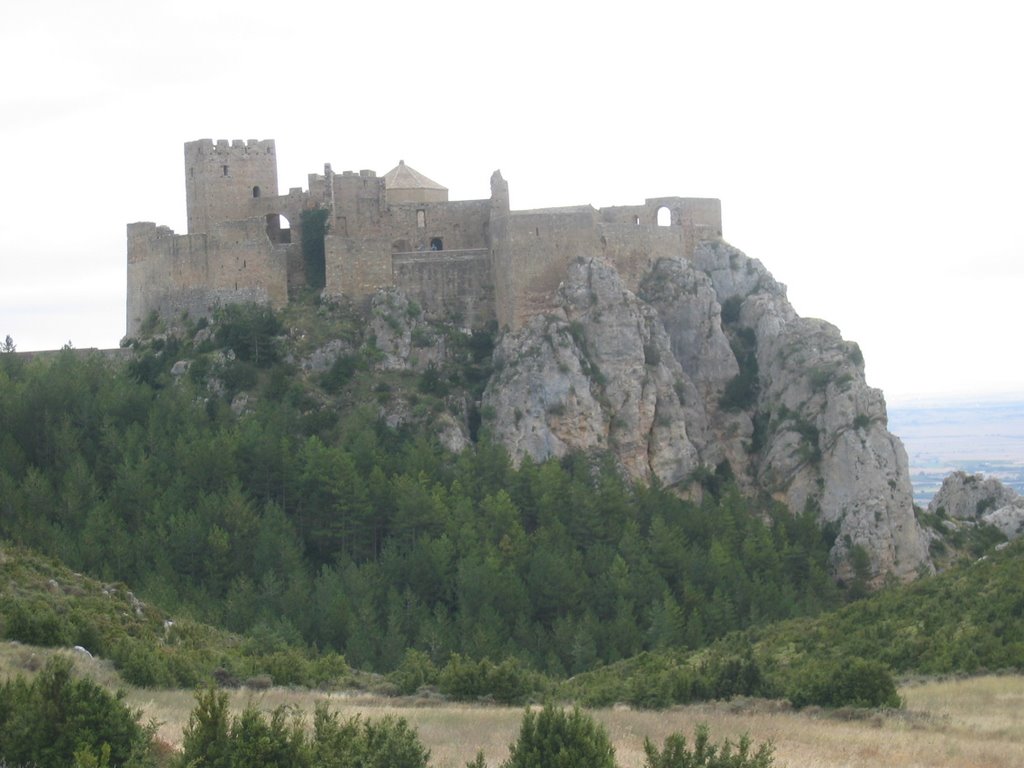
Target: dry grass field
(963,723)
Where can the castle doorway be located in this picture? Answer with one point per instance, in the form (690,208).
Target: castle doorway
(664,216)
(279,230)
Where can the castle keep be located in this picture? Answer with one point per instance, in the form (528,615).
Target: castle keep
(471,259)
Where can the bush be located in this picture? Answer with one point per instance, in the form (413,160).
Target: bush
(58,721)
(675,753)
(415,671)
(391,743)
(850,683)
(249,329)
(553,739)
(508,682)
(205,740)
(213,740)
(741,390)
(34,623)
(341,371)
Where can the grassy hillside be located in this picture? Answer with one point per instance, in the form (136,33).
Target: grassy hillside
(967,620)
(43,603)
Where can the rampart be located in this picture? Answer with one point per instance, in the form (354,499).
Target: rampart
(474,261)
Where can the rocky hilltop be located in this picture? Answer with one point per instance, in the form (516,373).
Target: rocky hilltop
(707,366)
(698,370)
(972,500)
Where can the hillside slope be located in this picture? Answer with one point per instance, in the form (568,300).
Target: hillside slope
(968,620)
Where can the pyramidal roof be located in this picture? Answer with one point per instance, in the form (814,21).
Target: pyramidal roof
(404,177)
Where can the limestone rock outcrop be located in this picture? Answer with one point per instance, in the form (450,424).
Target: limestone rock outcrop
(979,499)
(704,362)
(597,373)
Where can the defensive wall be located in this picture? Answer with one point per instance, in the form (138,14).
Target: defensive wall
(474,261)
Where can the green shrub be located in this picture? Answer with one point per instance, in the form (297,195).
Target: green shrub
(421,337)
(819,378)
(249,329)
(391,743)
(848,683)
(431,383)
(741,390)
(675,753)
(34,623)
(656,689)
(552,738)
(257,741)
(212,739)
(508,682)
(205,740)
(142,665)
(341,371)
(239,375)
(57,721)
(415,671)
(388,742)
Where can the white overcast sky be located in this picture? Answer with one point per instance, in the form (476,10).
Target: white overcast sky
(870,154)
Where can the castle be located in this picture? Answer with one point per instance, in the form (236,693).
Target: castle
(474,260)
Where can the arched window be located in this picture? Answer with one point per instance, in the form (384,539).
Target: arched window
(255,191)
(436,244)
(664,216)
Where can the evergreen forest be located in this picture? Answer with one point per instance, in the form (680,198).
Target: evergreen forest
(306,520)
(209,509)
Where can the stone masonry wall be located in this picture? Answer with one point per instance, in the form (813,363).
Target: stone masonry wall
(449,284)
(475,259)
(221,177)
(459,225)
(532,254)
(172,274)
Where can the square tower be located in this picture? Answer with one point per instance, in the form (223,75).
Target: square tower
(222,178)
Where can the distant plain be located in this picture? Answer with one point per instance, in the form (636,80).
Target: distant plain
(984,436)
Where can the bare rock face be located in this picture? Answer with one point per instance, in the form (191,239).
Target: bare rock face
(708,363)
(402,337)
(598,373)
(979,499)
(821,440)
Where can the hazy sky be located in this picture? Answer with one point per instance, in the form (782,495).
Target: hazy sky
(870,154)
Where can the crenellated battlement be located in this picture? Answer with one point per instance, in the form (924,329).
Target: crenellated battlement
(231,146)
(475,259)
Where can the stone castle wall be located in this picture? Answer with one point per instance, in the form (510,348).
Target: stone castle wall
(455,285)
(471,259)
(176,274)
(221,177)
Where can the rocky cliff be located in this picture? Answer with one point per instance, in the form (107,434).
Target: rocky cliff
(707,366)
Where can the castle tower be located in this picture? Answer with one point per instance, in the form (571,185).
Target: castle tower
(221,179)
